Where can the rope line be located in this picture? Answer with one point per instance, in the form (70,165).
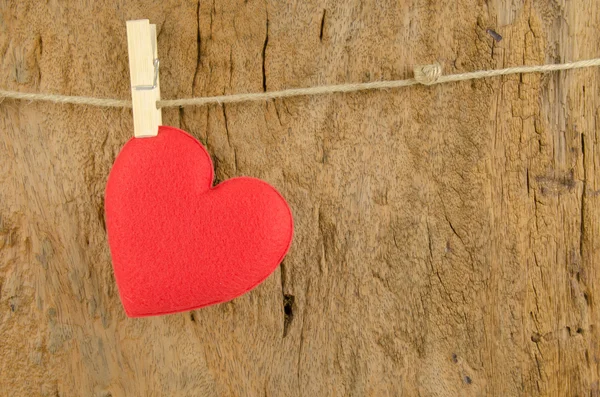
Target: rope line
(424,74)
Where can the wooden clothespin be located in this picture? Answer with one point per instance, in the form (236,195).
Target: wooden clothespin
(143,67)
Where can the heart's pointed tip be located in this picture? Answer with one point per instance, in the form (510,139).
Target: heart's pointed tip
(131,312)
(131,315)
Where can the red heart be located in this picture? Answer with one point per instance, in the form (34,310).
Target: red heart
(177,243)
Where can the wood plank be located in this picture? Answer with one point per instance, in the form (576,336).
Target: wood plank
(446,237)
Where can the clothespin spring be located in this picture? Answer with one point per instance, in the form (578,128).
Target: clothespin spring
(154,83)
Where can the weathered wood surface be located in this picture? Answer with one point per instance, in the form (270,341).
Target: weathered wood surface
(447,237)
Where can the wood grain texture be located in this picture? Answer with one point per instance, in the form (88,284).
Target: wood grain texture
(447,237)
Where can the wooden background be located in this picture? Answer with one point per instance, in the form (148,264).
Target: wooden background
(447,237)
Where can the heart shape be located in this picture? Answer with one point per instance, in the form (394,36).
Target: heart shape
(176,242)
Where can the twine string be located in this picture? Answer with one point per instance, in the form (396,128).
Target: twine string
(73,100)
(423,74)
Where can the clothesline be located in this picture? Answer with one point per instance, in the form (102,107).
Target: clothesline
(426,75)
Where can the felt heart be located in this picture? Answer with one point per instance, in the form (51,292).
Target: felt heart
(176,242)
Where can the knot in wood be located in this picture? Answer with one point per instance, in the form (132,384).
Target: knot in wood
(428,74)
